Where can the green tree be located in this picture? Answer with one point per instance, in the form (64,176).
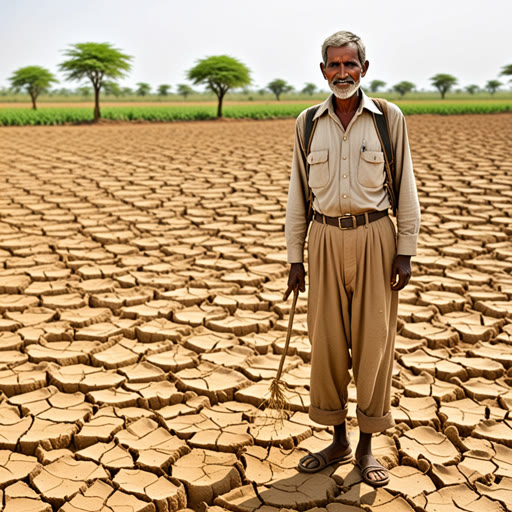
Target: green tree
(126,91)
(95,61)
(443,83)
(493,85)
(278,87)
(143,89)
(184,90)
(163,90)
(220,73)
(34,79)
(112,89)
(84,91)
(472,89)
(309,88)
(507,70)
(375,85)
(403,87)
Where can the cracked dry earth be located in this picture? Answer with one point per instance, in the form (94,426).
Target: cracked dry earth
(141,277)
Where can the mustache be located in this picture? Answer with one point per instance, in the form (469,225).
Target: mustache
(348,80)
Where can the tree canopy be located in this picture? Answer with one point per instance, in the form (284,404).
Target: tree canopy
(309,88)
(84,91)
(472,88)
(278,87)
(184,90)
(143,89)
(493,85)
(443,83)
(403,87)
(506,70)
(220,73)
(112,88)
(95,61)
(35,79)
(375,85)
(163,90)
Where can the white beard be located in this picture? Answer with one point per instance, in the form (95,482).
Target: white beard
(344,94)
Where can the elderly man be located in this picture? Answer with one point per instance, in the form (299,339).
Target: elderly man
(357,260)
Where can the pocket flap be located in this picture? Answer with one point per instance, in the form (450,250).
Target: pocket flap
(316,157)
(373,157)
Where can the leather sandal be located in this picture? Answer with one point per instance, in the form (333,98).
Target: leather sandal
(323,461)
(366,465)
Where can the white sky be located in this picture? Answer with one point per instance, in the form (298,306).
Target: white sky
(405,40)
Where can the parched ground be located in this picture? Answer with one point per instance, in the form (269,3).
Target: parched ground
(141,321)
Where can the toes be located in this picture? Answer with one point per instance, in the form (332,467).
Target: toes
(310,462)
(375,476)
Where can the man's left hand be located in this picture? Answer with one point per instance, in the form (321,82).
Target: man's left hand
(400,272)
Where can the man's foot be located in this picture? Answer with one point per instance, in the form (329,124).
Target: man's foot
(333,454)
(372,472)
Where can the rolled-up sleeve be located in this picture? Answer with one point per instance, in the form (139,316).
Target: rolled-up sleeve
(408,213)
(296,225)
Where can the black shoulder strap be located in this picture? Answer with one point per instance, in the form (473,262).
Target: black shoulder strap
(382,125)
(309,127)
(309,130)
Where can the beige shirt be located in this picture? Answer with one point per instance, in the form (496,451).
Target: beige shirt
(345,179)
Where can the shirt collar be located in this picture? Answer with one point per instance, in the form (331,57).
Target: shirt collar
(366,103)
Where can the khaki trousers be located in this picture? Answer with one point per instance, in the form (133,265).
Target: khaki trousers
(352,322)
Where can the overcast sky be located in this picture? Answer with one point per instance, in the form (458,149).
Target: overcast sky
(405,40)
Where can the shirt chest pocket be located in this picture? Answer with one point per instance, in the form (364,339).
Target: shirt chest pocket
(318,168)
(370,172)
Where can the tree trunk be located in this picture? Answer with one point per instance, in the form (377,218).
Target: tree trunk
(97,114)
(443,92)
(33,96)
(219,107)
(277,96)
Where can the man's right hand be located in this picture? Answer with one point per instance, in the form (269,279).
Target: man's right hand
(296,277)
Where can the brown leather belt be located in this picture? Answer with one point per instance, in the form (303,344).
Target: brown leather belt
(350,221)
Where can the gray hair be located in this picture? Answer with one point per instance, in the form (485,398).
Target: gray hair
(342,38)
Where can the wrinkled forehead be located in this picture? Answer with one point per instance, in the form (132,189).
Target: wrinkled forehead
(345,52)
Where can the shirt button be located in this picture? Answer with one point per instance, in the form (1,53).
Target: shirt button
(345,138)
(344,158)
(344,175)
(344,196)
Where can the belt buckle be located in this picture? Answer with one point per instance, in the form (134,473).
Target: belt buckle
(354,222)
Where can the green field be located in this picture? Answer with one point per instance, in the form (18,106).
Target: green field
(190,112)
(237,96)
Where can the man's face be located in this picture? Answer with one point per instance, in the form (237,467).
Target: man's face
(343,70)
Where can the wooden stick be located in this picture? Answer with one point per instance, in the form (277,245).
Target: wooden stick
(288,332)
(277,398)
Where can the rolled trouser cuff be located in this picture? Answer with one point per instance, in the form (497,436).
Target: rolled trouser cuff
(328,417)
(373,424)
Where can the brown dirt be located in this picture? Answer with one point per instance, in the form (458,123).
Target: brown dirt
(141,318)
